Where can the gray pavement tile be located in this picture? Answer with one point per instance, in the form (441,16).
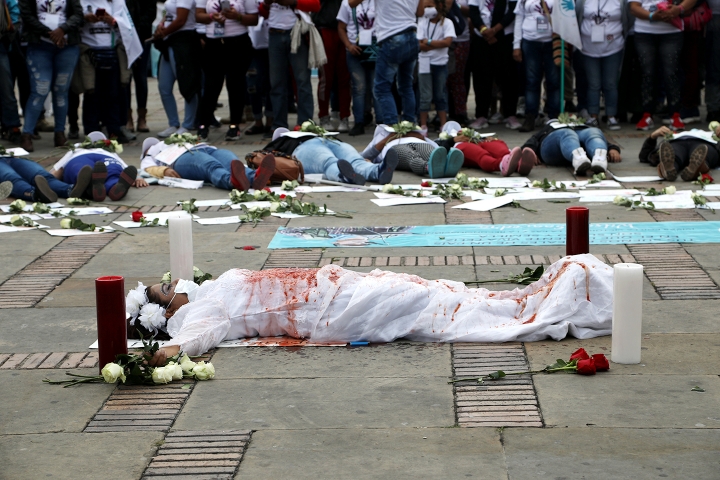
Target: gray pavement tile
(35,242)
(293,403)
(595,454)
(705,254)
(31,406)
(377,453)
(29,330)
(545,250)
(681,316)
(11,264)
(71,456)
(555,213)
(80,292)
(630,401)
(157,242)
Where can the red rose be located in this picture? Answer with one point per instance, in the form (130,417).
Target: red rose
(248,247)
(267,189)
(297,128)
(707,178)
(586,367)
(426,184)
(107,142)
(282,195)
(137,216)
(601,362)
(579,354)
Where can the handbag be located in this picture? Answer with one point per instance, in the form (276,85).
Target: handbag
(369,52)
(287,167)
(697,17)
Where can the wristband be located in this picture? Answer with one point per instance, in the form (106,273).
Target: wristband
(650,17)
(429,41)
(483,29)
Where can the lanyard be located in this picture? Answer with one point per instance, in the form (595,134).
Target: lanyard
(427,31)
(598,18)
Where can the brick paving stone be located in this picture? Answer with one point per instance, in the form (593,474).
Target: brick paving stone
(510,260)
(481,260)
(496,261)
(554,258)
(468,260)
(539,260)
(525,260)
(366,261)
(381,261)
(411,261)
(14,360)
(3,357)
(627,258)
(338,261)
(352,262)
(34,360)
(452,260)
(324,261)
(438,260)
(73,360)
(394,261)
(89,361)
(423,261)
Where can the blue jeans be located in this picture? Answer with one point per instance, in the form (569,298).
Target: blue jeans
(603,73)
(280,59)
(557,148)
(49,67)
(22,174)
(433,89)
(210,165)
(362,77)
(538,59)
(8,103)
(397,56)
(167,74)
(73,167)
(712,64)
(321,155)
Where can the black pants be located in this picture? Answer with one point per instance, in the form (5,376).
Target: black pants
(225,58)
(493,63)
(106,103)
(683,149)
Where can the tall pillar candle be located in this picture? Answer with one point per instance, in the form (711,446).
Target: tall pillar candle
(577,240)
(181,247)
(627,313)
(111,322)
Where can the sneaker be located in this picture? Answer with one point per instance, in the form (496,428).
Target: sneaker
(696,162)
(455,160)
(99,176)
(233,133)
(437,163)
(677,124)
(424,130)
(509,163)
(334,121)
(496,118)
(479,123)
(348,174)
(529,124)
(580,162)
(520,110)
(645,123)
(666,167)
(527,161)
(613,124)
(43,193)
(264,172)
(358,129)
(584,114)
(592,122)
(182,130)
(389,164)
(203,133)
(74,133)
(5,189)
(120,189)
(344,126)
(325,123)
(238,179)
(128,133)
(691,119)
(82,182)
(167,132)
(599,161)
(512,123)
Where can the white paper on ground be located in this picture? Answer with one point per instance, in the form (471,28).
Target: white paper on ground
(28,207)
(600,184)
(605,193)
(131,224)
(509,190)
(162,216)
(393,195)
(63,232)
(542,195)
(263,204)
(637,178)
(295,215)
(78,211)
(10,228)
(713,205)
(313,177)
(486,205)
(181,183)
(493,182)
(211,203)
(327,189)
(712,188)
(7,218)
(475,195)
(278,191)
(17,151)
(401,200)
(218,220)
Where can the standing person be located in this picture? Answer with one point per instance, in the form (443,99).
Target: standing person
(8,102)
(659,39)
(532,44)
(492,45)
(395,30)
(691,62)
(603,28)
(258,78)
(360,61)
(435,34)
(143,15)
(228,53)
(282,15)
(457,90)
(181,60)
(712,63)
(52,30)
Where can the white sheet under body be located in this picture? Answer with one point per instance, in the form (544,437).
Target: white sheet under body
(332,304)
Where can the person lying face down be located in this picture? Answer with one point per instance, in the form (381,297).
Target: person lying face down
(332,304)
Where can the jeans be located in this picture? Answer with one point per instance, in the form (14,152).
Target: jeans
(397,57)
(665,48)
(22,174)
(557,148)
(73,167)
(104,103)
(712,64)
(8,103)
(321,155)
(684,148)
(433,88)
(603,73)
(210,165)
(140,74)
(538,59)
(280,60)
(258,84)
(362,77)
(167,74)
(49,67)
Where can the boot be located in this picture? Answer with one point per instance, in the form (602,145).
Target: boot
(130,125)
(141,122)
(529,124)
(26,142)
(580,162)
(60,139)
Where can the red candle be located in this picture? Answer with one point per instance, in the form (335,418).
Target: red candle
(578,230)
(112,329)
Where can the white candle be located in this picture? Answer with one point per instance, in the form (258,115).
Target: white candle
(627,313)
(181,247)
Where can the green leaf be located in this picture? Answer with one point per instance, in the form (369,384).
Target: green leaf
(496,375)
(697,389)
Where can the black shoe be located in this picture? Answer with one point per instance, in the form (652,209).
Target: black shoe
(203,132)
(119,137)
(388,166)
(292,108)
(268,135)
(529,124)
(570,107)
(14,135)
(255,130)
(233,133)
(43,193)
(215,123)
(82,181)
(358,129)
(348,174)
(369,120)
(74,133)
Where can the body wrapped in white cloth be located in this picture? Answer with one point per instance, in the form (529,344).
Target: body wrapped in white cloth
(332,304)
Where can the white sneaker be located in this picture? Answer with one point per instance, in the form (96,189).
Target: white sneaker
(334,121)
(130,135)
(424,130)
(344,126)
(580,162)
(613,124)
(325,123)
(496,118)
(479,123)
(167,132)
(592,122)
(599,161)
(512,123)
(584,114)
(182,130)
(690,119)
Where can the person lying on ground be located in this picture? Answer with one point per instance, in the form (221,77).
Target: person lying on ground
(99,160)
(32,182)
(690,153)
(204,162)
(331,304)
(559,144)
(413,152)
(487,153)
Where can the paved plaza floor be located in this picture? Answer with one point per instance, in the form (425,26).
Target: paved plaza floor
(381,411)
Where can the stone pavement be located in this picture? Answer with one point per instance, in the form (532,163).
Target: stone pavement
(383,411)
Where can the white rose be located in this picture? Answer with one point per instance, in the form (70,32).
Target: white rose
(694,196)
(16,220)
(136,298)
(166,278)
(19,204)
(175,369)
(204,371)
(118,148)
(670,190)
(387,187)
(66,223)
(406,123)
(619,200)
(713,125)
(152,316)
(162,375)
(274,206)
(445,136)
(112,371)
(186,364)
(305,125)
(258,194)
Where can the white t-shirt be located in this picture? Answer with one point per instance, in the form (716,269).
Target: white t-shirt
(434,31)
(260,34)
(645,26)
(394,16)
(601,28)
(51,14)
(171,7)
(231,28)
(78,152)
(99,34)
(365,14)
(487,7)
(280,17)
(531,23)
